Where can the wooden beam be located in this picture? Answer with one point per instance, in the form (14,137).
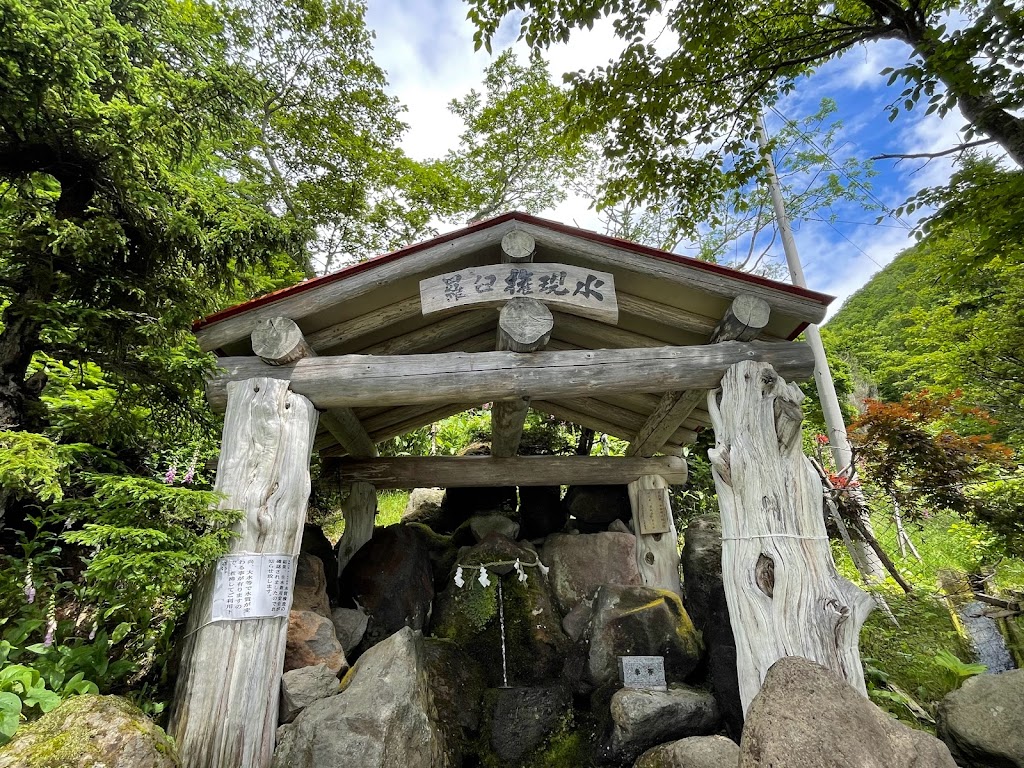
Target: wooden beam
(583,418)
(726,284)
(349,331)
(366,380)
(743,321)
(226,698)
(656,312)
(482,471)
(597,335)
(279,341)
(517,247)
(524,326)
(329,293)
(421,420)
(622,416)
(429,337)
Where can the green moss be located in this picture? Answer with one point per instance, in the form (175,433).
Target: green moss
(472,608)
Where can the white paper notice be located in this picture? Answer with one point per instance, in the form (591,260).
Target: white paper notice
(252,586)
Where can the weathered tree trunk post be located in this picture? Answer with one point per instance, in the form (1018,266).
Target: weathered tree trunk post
(657,543)
(360,511)
(785,597)
(226,700)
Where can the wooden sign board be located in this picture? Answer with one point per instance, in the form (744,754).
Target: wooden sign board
(578,291)
(654,510)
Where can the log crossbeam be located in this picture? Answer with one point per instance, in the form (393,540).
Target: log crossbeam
(746,317)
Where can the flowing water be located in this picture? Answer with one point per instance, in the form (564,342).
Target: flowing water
(501,625)
(988,642)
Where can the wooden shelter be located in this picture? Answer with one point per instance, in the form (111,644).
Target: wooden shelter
(524,313)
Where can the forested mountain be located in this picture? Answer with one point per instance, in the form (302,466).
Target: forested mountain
(925,322)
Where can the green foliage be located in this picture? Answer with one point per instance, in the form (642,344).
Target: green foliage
(956,671)
(680,114)
(32,466)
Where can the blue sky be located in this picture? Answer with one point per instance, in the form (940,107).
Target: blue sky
(427,50)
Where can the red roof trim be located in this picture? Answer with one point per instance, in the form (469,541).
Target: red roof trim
(644,250)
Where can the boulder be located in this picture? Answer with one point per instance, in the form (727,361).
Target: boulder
(91,732)
(580,563)
(575,622)
(640,621)
(391,578)
(618,526)
(301,687)
(523,719)
(694,752)
(310,590)
(983,722)
(541,511)
(349,626)
(425,507)
(595,506)
(316,543)
(385,717)
(704,597)
(806,717)
(311,641)
(469,615)
(461,503)
(484,525)
(457,684)
(642,719)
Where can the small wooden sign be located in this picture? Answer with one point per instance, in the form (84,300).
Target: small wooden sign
(575,290)
(654,510)
(643,672)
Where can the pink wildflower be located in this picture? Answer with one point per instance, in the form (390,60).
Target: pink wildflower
(190,474)
(51,622)
(822,439)
(30,588)
(171,474)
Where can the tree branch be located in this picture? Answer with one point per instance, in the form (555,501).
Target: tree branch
(932,155)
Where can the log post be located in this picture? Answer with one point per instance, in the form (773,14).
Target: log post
(657,543)
(279,341)
(226,699)
(524,325)
(517,247)
(745,318)
(785,597)
(360,510)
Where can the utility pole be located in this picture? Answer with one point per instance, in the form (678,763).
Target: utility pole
(838,440)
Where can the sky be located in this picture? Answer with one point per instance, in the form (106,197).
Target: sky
(426,47)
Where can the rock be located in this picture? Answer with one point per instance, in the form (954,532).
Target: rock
(704,597)
(301,687)
(461,503)
(310,590)
(641,719)
(618,526)
(91,732)
(349,626)
(311,641)
(457,684)
(595,506)
(484,525)
(806,717)
(424,507)
(534,641)
(983,722)
(694,752)
(391,578)
(524,718)
(541,511)
(575,622)
(384,718)
(640,621)
(581,563)
(316,543)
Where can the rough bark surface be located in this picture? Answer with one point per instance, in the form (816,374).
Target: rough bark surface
(785,596)
(226,701)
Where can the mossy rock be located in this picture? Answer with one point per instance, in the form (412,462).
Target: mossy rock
(91,732)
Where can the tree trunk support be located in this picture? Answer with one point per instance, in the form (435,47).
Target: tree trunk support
(785,597)
(360,511)
(524,325)
(657,554)
(226,700)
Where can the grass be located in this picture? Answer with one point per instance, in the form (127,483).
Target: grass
(390,506)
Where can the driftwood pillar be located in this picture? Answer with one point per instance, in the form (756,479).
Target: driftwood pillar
(226,700)
(657,551)
(785,597)
(360,509)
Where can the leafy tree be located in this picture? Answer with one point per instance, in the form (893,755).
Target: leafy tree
(322,133)
(674,116)
(515,151)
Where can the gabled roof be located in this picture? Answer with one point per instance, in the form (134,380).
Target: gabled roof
(374,308)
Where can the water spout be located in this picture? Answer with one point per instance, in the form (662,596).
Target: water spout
(501,625)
